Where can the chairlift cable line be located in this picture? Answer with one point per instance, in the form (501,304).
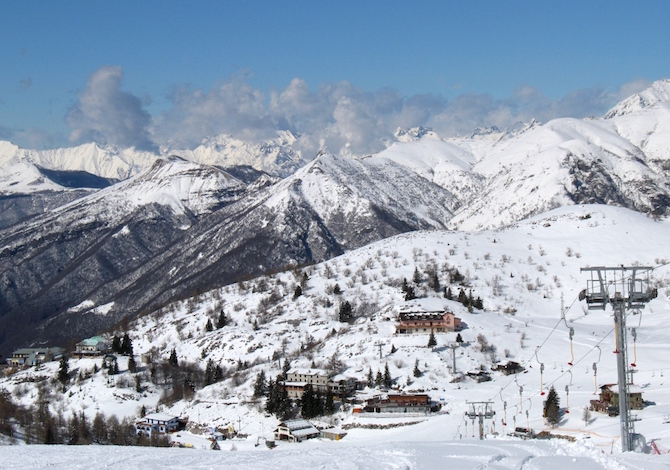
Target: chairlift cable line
(525,363)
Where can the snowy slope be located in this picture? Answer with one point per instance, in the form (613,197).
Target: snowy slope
(369,452)
(25,178)
(520,272)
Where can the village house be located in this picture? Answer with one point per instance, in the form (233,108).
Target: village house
(94,346)
(479,375)
(342,385)
(27,357)
(426,316)
(321,381)
(509,368)
(158,423)
(609,399)
(296,430)
(399,404)
(296,379)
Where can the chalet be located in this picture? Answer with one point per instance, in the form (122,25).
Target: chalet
(158,423)
(425,316)
(297,379)
(94,346)
(609,399)
(31,356)
(399,404)
(296,430)
(479,376)
(343,385)
(509,368)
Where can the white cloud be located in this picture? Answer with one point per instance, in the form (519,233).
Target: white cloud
(108,115)
(338,117)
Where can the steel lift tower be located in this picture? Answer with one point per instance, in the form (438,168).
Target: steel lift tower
(624,288)
(480,410)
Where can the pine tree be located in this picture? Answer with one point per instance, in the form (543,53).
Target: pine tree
(99,428)
(417,276)
(132,365)
(222,321)
(462,298)
(393,348)
(417,371)
(173,358)
(379,379)
(64,371)
(337,290)
(126,345)
(552,407)
(388,380)
(329,405)
(308,403)
(459,338)
(435,282)
(116,344)
(346,312)
(408,290)
(209,372)
(271,402)
(209,327)
(297,293)
(448,294)
(371,378)
(259,385)
(431,340)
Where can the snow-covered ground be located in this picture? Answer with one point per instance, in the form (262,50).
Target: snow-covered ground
(415,450)
(520,273)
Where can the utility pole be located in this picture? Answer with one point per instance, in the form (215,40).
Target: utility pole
(480,410)
(379,344)
(453,346)
(623,288)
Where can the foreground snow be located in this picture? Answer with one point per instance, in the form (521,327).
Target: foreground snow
(376,454)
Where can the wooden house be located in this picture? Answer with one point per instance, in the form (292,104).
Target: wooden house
(509,368)
(609,399)
(296,430)
(419,403)
(158,423)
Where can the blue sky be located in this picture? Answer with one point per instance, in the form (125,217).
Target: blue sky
(343,74)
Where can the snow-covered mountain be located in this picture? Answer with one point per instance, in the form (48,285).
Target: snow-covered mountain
(51,262)
(107,162)
(275,157)
(503,177)
(180,227)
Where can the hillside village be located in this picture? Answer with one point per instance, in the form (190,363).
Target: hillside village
(374,339)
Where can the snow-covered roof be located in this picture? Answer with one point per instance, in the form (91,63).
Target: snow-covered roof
(425,305)
(297,424)
(631,388)
(160,417)
(322,372)
(93,341)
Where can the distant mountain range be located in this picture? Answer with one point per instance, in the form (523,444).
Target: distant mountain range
(90,235)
